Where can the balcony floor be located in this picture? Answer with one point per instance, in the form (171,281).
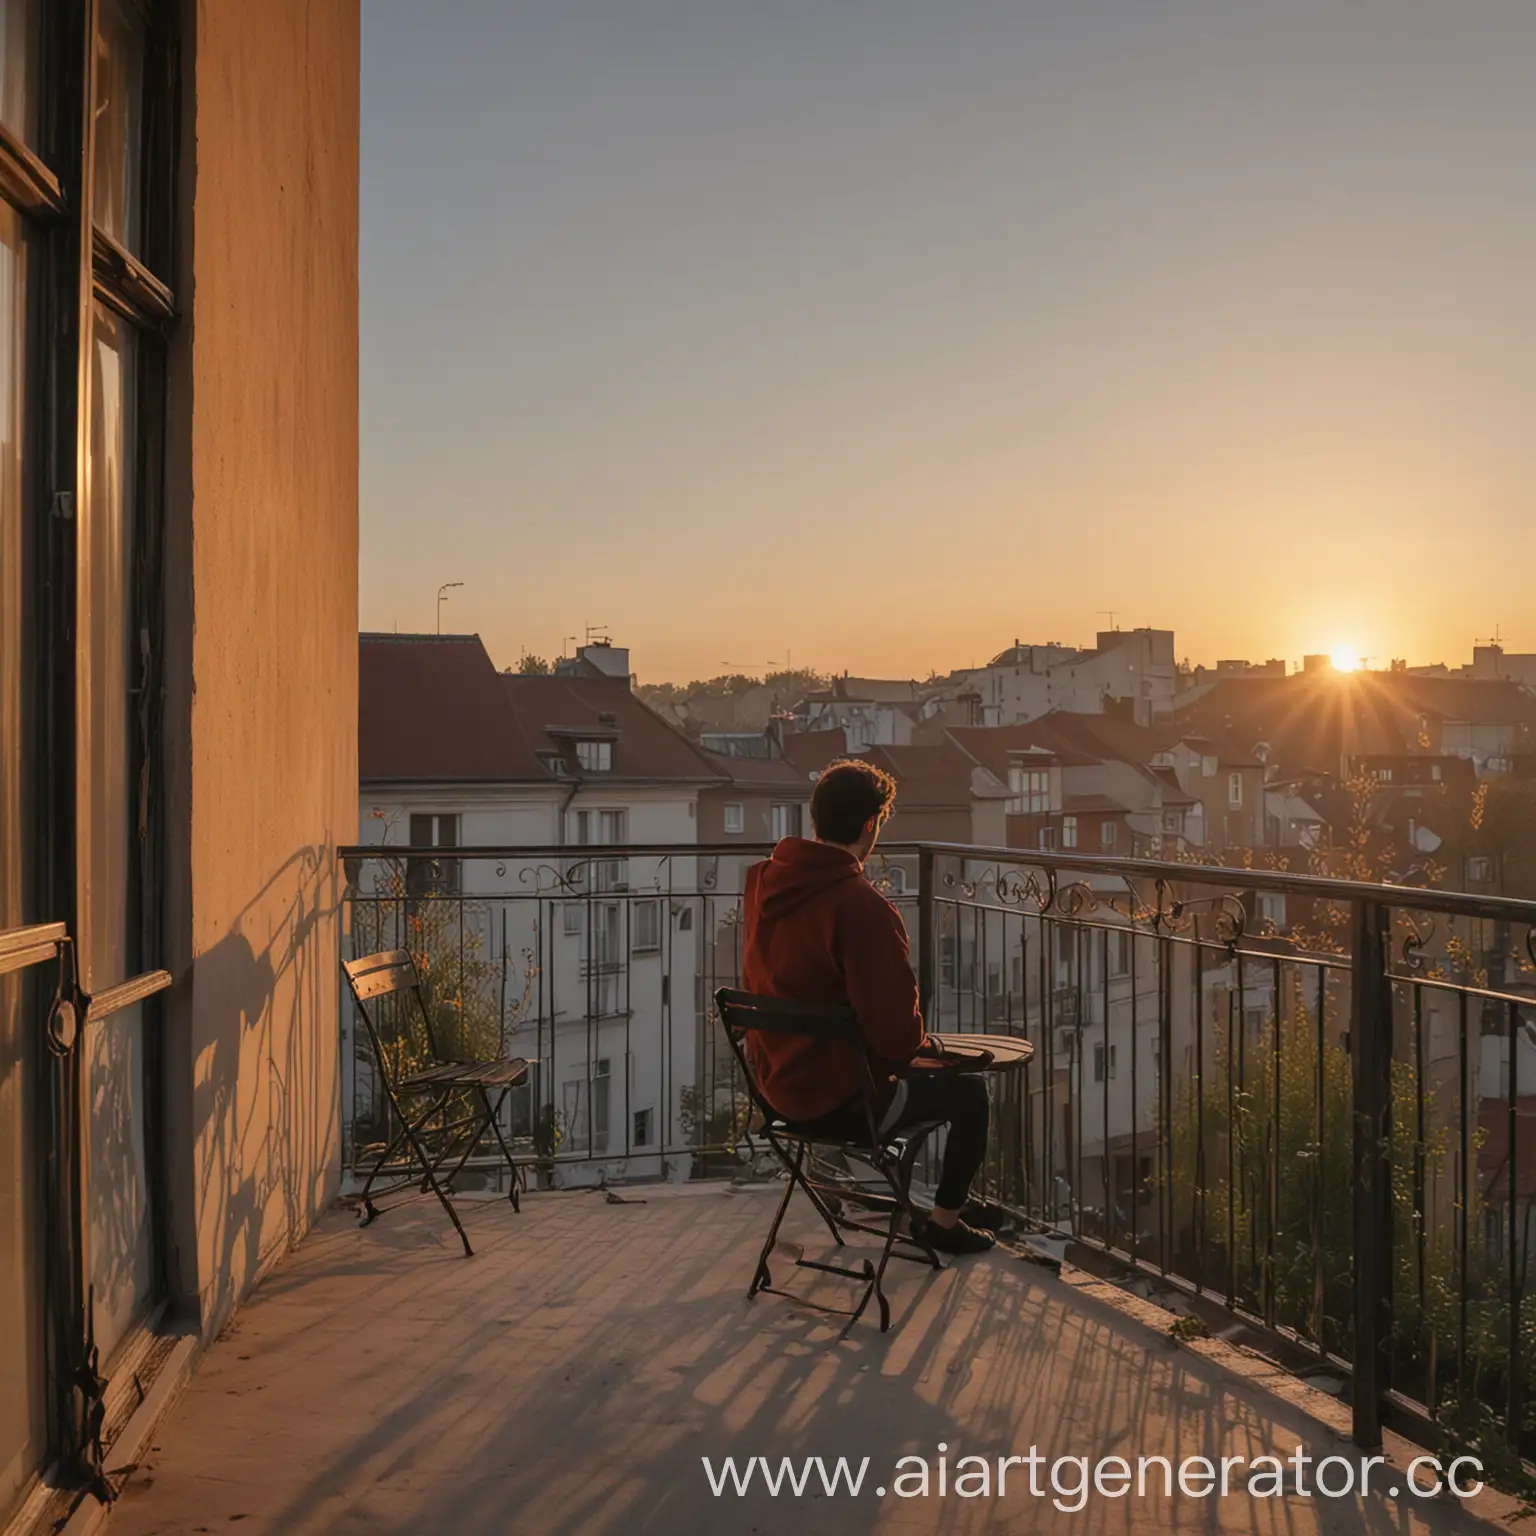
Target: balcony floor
(571,1375)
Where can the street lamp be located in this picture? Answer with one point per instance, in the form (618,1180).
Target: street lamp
(447,586)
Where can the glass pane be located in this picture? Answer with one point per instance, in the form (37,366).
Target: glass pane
(119,122)
(13,335)
(109,954)
(23,1426)
(18,66)
(121,1270)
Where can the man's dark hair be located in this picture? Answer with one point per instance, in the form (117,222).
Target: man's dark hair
(846,796)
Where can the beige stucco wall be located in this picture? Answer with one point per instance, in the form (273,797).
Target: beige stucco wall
(262,616)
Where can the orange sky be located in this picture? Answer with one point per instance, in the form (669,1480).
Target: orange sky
(879,337)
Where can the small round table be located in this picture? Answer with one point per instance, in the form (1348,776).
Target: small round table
(1008,1052)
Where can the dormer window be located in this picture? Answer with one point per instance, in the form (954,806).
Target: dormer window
(556,763)
(594,756)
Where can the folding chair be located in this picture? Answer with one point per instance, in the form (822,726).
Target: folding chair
(422,1096)
(853,1131)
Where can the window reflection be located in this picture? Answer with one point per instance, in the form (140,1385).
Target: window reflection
(119,115)
(13,336)
(18,63)
(110,954)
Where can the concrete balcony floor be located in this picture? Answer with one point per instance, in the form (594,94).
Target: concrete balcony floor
(570,1376)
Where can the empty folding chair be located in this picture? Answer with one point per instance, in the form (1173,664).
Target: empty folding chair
(431,1127)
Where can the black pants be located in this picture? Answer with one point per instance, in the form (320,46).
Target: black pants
(959,1099)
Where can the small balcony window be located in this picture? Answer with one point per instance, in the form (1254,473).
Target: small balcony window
(786,821)
(594,756)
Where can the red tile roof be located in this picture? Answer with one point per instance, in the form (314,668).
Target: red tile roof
(434,709)
(927,778)
(550,710)
(811,751)
(766,773)
(431,709)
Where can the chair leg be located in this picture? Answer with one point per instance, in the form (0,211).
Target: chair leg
(493,1118)
(419,1148)
(370,1211)
(814,1195)
(763,1277)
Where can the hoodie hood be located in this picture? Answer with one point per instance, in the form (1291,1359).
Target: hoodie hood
(799,872)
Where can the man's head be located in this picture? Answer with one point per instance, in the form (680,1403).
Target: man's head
(850,804)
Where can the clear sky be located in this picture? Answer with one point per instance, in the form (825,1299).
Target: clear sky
(881,333)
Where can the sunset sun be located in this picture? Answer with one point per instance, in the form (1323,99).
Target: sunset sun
(1346,659)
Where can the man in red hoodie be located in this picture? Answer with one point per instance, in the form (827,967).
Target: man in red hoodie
(818,932)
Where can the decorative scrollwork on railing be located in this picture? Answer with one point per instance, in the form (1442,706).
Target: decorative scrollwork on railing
(1417,939)
(547,880)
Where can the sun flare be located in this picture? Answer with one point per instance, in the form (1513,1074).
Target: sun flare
(1346,659)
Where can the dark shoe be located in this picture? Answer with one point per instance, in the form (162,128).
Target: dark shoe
(988,1218)
(958,1239)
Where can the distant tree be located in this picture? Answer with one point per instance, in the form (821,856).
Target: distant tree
(529,665)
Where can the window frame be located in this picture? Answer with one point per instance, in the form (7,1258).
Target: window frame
(47,177)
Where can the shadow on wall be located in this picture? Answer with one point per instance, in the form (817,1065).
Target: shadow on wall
(266,1058)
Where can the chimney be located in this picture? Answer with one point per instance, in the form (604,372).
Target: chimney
(605,657)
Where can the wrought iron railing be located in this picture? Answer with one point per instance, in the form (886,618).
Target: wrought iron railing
(1309,1101)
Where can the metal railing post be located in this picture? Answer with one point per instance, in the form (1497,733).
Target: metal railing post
(927,935)
(1370,1041)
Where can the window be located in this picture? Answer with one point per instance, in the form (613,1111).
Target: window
(1208,766)
(1479,870)
(735,816)
(433,877)
(647,934)
(1235,791)
(642,1136)
(1119,953)
(786,821)
(601,829)
(1069,831)
(1047,839)
(1173,821)
(1383,775)
(1030,789)
(106,674)
(556,763)
(575,918)
(585,1107)
(1099,1063)
(1108,834)
(1272,908)
(1066,944)
(1436,773)
(594,756)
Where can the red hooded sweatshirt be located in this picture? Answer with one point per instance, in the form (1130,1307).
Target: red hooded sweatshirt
(818,932)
